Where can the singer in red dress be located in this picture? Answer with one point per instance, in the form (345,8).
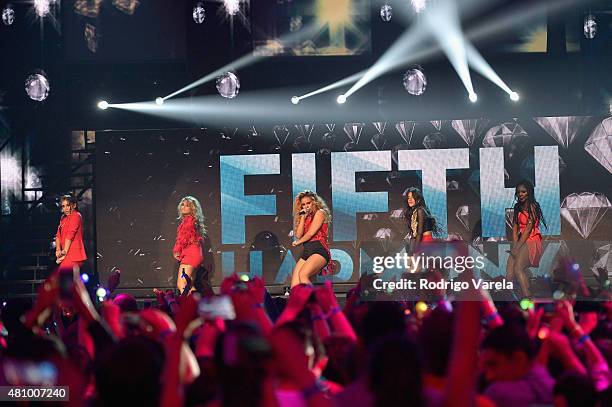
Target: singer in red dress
(189,236)
(527,247)
(312,218)
(69,248)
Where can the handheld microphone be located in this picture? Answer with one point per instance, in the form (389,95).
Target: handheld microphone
(302,212)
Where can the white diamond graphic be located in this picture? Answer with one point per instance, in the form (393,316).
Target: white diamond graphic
(384,236)
(406,129)
(599,144)
(603,260)
(584,211)
(281,132)
(305,130)
(509,217)
(380,126)
(452,185)
(463,215)
(437,124)
(562,129)
(353,131)
(468,129)
(434,140)
(506,135)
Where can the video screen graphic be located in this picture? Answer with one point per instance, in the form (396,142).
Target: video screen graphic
(246,179)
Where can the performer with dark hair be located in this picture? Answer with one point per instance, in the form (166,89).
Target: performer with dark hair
(312,218)
(527,247)
(69,248)
(421,224)
(189,236)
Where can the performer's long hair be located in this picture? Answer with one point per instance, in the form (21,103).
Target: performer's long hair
(531,202)
(419,203)
(196,211)
(319,203)
(71,200)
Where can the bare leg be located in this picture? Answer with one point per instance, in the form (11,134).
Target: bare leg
(295,275)
(520,270)
(181,282)
(312,266)
(510,268)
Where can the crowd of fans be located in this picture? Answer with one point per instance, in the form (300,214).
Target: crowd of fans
(203,350)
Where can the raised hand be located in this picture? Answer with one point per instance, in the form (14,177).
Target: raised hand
(297,300)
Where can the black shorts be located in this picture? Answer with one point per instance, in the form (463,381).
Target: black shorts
(314,247)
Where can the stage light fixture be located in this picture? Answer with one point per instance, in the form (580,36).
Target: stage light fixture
(514,96)
(418,5)
(42,7)
(231,6)
(473,97)
(159,101)
(199,14)
(295,100)
(37,86)
(103,104)
(341,99)
(101,292)
(8,15)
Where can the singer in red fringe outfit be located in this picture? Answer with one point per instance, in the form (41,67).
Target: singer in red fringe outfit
(189,236)
(69,248)
(311,224)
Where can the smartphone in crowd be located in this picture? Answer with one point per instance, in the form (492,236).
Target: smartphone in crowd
(218,306)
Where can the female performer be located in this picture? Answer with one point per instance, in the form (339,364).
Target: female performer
(69,248)
(421,224)
(189,236)
(312,218)
(527,247)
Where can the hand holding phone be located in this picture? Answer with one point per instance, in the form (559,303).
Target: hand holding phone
(217,307)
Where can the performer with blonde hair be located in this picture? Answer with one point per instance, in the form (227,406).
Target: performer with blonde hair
(311,222)
(189,236)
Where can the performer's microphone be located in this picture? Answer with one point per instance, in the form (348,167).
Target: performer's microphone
(302,212)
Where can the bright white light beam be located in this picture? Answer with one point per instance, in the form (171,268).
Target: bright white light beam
(443,22)
(245,60)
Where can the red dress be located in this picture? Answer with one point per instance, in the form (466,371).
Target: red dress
(321,236)
(534,241)
(71,228)
(188,244)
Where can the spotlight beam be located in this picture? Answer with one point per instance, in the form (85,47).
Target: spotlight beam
(478,62)
(343,82)
(443,22)
(407,44)
(397,55)
(245,60)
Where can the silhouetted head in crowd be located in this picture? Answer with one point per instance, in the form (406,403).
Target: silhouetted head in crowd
(394,372)
(341,364)
(126,303)
(507,353)
(382,319)
(11,312)
(435,339)
(574,390)
(241,354)
(130,372)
